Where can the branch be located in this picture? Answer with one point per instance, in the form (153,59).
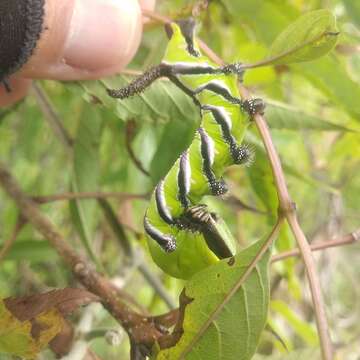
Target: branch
(139,327)
(8,243)
(345,240)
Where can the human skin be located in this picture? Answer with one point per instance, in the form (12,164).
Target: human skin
(82,39)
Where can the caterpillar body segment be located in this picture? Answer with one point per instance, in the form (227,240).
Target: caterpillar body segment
(183,235)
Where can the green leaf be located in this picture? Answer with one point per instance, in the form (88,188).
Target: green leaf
(176,137)
(162,101)
(265,18)
(235,332)
(284,116)
(302,328)
(353,10)
(309,37)
(86,175)
(330,76)
(32,250)
(308,353)
(262,182)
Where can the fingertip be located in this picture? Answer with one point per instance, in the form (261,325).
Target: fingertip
(147,4)
(103,34)
(86,39)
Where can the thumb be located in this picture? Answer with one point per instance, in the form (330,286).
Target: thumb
(84,39)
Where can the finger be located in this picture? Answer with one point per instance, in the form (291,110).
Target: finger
(85,39)
(147,4)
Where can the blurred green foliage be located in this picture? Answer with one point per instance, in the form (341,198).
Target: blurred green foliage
(313,112)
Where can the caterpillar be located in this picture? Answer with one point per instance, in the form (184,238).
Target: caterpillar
(184,236)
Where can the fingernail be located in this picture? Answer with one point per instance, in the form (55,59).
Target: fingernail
(103,34)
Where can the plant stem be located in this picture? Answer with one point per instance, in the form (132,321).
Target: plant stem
(345,240)
(287,207)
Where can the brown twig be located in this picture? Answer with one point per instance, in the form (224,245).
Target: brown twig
(139,327)
(345,240)
(154,16)
(88,195)
(8,243)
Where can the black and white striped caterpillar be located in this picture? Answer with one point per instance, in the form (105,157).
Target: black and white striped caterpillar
(183,235)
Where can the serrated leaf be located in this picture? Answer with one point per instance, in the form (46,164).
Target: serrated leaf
(235,332)
(86,175)
(162,101)
(284,116)
(311,36)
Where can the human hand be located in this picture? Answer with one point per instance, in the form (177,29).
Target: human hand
(81,39)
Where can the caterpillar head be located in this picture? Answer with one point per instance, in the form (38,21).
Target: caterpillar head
(183,32)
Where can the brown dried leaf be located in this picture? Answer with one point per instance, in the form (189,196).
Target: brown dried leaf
(30,323)
(65,300)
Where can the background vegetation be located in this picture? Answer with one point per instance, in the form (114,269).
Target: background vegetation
(95,144)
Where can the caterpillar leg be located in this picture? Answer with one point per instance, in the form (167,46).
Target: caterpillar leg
(141,82)
(202,220)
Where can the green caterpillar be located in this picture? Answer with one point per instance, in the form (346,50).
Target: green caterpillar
(183,236)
